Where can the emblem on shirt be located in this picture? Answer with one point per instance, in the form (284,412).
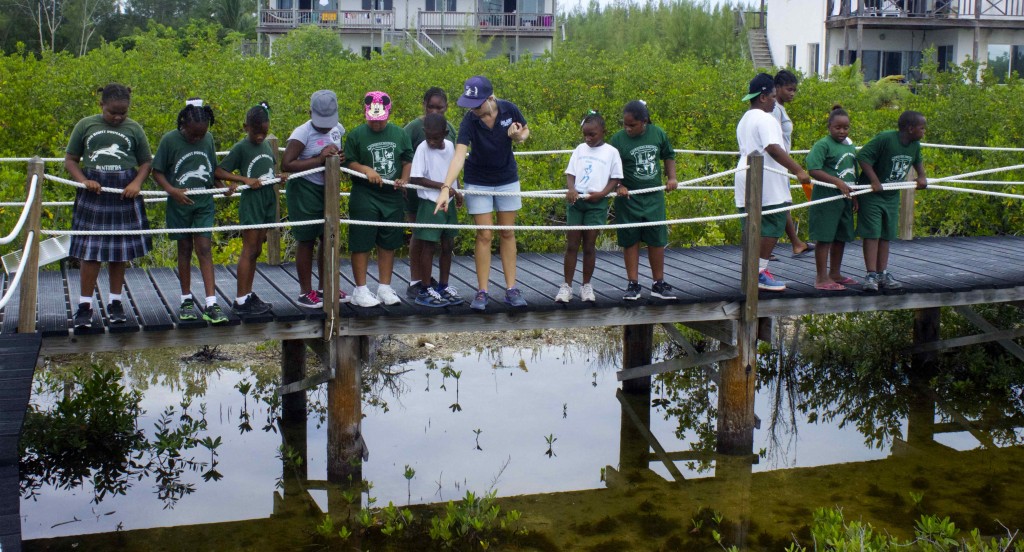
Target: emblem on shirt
(506,122)
(383,158)
(900,167)
(646,159)
(335,136)
(850,172)
(202,173)
(586,174)
(113,150)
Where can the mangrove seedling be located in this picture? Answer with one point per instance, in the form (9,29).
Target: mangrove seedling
(409,474)
(478,432)
(551,441)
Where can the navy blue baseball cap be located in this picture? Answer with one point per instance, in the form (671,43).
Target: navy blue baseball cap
(761,84)
(477,90)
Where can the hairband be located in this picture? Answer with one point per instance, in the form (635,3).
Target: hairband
(194,102)
(265,106)
(590,113)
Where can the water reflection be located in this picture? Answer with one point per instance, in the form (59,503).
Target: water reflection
(941,437)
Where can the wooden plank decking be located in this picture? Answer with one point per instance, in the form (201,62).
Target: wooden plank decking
(934,272)
(18,355)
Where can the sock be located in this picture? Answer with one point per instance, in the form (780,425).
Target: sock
(241,300)
(186,297)
(441,285)
(362,289)
(83,300)
(762,265)
(211,301)
(115,297)
(383,286)
(413,283)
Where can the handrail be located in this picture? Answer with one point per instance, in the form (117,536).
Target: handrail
(17,275)
(33,189)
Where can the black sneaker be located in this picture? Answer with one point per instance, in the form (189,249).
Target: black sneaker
(188,310)
(214,314)
(253,306)
(662,290)
(633,291)
(115,313)
(414,290)
(83,316)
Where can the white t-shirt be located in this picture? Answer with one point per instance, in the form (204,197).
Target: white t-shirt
(314,142)
(782,117)
(432,163)
(755,132)
(593,167)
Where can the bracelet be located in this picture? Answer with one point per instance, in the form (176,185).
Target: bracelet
(446,187)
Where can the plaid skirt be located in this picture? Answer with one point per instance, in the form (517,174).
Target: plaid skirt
(108,211)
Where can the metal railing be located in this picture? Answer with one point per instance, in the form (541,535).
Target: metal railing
(934,9)
(486,21)
(341,19)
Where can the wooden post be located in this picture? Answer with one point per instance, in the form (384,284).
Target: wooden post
(30,278)
(906,222)
(633,445)
(293,369)
(332,268)
(345,447)
(274,234)
(738,375)
(926,330)
(637,350)
(735,476)
(923,366)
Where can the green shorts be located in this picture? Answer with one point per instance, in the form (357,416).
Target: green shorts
(365,204)
(879,215)
(641,208)
(426,216)
(305,202)
(258,206)
(585,213)
(197,215)
(774,225)
(833,220)
(412,203)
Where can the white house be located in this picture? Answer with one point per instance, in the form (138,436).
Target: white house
(888,36)
(518,27)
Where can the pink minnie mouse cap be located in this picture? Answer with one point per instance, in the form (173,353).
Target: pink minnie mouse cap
(377,106)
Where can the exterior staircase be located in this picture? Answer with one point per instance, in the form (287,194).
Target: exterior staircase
(760,53)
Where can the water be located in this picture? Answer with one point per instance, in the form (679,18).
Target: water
(542,424)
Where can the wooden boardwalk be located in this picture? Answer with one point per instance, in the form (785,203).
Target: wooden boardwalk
(934,272)
(18,355)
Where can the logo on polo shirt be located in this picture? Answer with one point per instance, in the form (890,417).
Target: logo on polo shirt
(506,122)
(900,168)
(646,159)
(384,158)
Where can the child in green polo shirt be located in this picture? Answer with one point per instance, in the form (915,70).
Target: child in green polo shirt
(643,147)
(380,150)
(832,159)
(887,159)
(185,160)
(255,161)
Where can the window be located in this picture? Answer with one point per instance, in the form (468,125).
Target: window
(945,57)
(791,55)
(368,51)
(813,52)
(1004,59)
(871,65)
(530,6)
(378,5)
(441,5)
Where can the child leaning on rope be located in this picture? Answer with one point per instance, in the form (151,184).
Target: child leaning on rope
(887,159)
(185,160)
(429,167)
(595,169)
(255,161)
(641,146)
(833,159)
(108,150)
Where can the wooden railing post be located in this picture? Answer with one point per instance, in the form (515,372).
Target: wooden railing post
(331,247)
(274,234)
(906,222)
(30,278)
(739,375)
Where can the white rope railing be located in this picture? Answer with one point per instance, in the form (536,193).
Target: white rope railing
(150,231)
(33,189)
(971,148)
(12,288)
(193,192)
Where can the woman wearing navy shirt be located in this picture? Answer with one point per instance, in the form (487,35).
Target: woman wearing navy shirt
(491,127)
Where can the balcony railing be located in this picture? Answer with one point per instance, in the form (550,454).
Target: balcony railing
(519,23)
(958,9)
(342,19)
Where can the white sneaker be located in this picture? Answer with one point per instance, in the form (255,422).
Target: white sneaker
(387,295)
(564,294)
(361,297)
(587,294)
